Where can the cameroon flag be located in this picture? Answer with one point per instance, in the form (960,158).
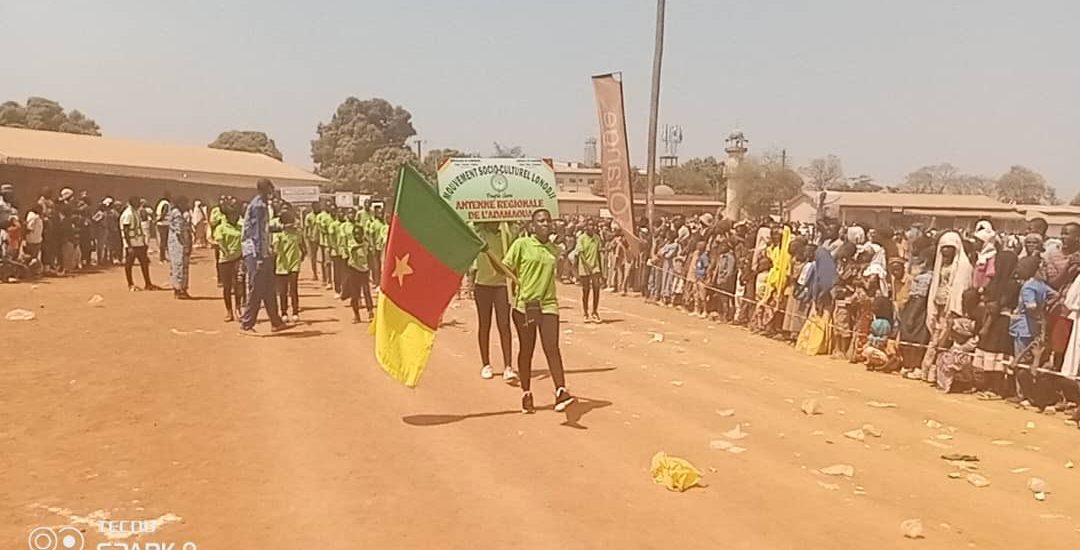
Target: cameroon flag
(429,249)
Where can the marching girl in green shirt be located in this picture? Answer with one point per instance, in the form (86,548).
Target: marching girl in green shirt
(588,269)
(227,235)
(311,238)
(490,294)
(289,252)
(358,283)
(323,220)
(533,259)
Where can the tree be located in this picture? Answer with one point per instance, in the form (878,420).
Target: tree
(696,176)
(248,141)
(357,130)
(767,185)
(1021,185)
(1075,201)
(379,174)
(436,157)
(930,179)
(861,184)
(513,151)
(824,173)
(46,114)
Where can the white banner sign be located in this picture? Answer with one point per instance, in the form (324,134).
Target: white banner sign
(344,199)
(304,194)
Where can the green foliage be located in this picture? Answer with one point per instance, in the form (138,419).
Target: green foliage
(358,131)
(378,175)
(696,176)
(766,185)
(46,114)
(435,157)
(248,141)
(1021,185)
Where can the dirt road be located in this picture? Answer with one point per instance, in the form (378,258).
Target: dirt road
(152,408)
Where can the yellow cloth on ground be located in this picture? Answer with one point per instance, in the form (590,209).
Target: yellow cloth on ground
(674,473)
(815,335)
(402,344)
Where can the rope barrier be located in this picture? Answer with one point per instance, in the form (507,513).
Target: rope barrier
(852,330)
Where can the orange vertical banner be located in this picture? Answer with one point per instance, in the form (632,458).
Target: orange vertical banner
(615,154)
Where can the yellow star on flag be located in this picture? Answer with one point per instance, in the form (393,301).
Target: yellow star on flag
(401,269)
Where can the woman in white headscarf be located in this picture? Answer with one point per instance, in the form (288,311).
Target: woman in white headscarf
(984,262)
(952,275)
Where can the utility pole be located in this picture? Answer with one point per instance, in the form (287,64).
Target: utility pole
(654,109)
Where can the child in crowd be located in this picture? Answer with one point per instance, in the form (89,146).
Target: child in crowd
(698,271)
(724,279)
(954,365)
(880,352)
(289,254)
(1026,329)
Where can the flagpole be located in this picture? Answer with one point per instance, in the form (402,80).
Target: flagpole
(654,108)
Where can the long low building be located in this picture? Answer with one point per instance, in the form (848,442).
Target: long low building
(571,203)
(33,160)
(899,210)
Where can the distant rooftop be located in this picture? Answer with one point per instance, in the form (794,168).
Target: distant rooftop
(121,157)
(850,199)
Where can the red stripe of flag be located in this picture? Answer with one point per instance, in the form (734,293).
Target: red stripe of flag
(414,279)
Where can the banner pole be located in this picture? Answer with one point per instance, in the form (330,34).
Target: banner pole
(654,111)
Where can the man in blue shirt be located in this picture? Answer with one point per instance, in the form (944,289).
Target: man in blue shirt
(259,262)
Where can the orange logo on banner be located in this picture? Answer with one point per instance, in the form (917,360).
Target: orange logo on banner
(615,154)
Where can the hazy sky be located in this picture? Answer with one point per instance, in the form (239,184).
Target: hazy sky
(887,86)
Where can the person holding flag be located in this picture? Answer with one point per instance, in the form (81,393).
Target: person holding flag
(533,260)
(428,250)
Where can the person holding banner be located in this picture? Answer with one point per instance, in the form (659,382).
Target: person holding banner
(490,295)
(533,260)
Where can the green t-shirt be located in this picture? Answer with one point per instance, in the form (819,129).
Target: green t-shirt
(323,221)
(332,237)
(358,255)
(486,274)
(228,237)
(588,254)
(345,238)
(311,227)
(288,250)
(534,264)
(216,217)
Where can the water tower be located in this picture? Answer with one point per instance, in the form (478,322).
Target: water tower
(736,145)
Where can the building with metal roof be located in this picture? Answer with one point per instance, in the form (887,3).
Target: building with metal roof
(104,166)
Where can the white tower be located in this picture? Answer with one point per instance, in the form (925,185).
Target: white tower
(736,145)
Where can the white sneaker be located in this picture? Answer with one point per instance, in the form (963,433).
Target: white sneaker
(509,375)
(487,373)
(296,318)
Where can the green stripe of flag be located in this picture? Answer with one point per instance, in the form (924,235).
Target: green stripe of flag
(433,223)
